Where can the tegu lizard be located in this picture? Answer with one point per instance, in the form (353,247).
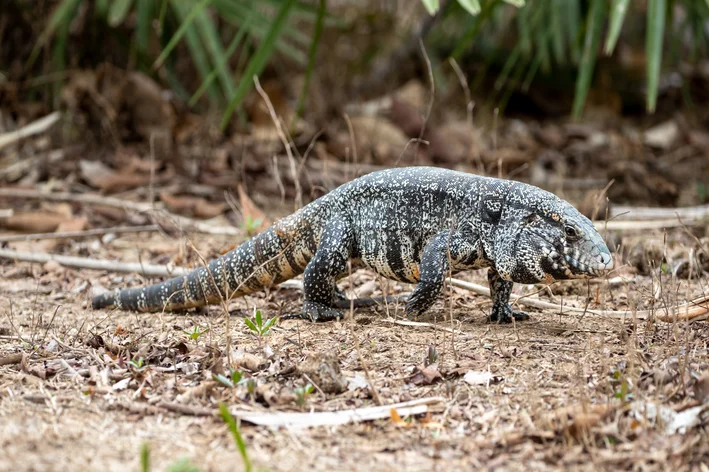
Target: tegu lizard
(415,225)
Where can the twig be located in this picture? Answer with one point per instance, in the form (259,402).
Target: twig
(183,222)
(36,127)
(420,324)
(79,234)
(186,409)
(700,212)
(332,418)
(147,270)
(693,311)
(284,140)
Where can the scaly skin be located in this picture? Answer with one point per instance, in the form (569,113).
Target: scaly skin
(414,225)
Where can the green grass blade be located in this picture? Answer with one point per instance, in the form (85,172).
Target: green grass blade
(618,11)
(197,52)
(145,457)
(238,439)
(206,83)
(431,6)
(472,6)
(317,32)
(62,15)
(656,10)
(118,11)
(258,61)
(210,37)
(517,3)
(471,32)
(573,26)
(144,26)
(556,27)
(251,325)
(588,61)
(181,31)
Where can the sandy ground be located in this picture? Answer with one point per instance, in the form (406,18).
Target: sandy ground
(564,391)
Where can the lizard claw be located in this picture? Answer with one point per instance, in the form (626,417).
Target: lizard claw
(506,314)
(315,312)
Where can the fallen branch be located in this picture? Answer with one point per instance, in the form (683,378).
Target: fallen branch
(36,127)
(692,311)
(687,214)
(186,409)
(78,234)
(332,418)
(158,210)
(147,270)
(643,225)
(418,324)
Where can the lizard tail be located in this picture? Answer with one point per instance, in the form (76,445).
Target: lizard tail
(273,256)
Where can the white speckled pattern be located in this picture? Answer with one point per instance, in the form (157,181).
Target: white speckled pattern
(411,224)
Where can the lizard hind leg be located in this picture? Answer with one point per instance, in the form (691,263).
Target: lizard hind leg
(321,273)
(500,290)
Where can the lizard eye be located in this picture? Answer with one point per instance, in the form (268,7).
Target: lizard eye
(570,232)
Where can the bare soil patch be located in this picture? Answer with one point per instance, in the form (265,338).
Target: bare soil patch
(563,391)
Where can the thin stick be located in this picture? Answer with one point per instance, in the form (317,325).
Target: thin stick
(36,127)
(147,270)
(79,234)
(693,311)
(284,140)
(181,221)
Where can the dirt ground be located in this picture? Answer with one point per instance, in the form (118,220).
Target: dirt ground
(563,391)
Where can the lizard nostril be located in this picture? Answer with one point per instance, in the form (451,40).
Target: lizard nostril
(604,258)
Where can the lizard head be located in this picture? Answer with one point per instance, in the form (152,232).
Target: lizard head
(550,240)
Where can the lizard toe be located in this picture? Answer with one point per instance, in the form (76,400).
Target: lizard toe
(506,315)
(315,312)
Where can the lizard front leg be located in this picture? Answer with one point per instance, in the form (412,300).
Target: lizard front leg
(500,290)
(319,279)
(445,247)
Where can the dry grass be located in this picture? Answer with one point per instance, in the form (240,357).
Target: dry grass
(564,389)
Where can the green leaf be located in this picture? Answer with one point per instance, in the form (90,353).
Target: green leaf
(588,61)
(206,83)
(317,32)
(257,61)
(656,10)
(473,6)
(223,380)
(251,325)
(210,37)
(520,3)
(238,439)
(258,318)
(432,6)
(620,8)
(144,25)
(181,31)
(118,11)
(145,457)
(63,15)
(557,31)
(236,376)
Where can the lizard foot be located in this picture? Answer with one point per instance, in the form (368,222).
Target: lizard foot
(315,312)
(506,314)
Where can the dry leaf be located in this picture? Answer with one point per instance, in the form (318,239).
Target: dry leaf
(250,212)
(75,224)
(35,222)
